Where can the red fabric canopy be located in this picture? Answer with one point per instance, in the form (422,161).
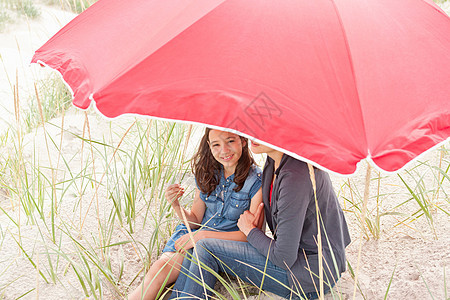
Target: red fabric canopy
(330,82)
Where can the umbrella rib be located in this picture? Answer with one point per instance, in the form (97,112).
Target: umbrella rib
(350,58)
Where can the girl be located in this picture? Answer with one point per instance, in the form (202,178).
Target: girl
(287,263)
(228,183)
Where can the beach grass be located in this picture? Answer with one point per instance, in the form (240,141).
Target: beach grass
(76,6)
(61,193)
(96,210)
(11,10)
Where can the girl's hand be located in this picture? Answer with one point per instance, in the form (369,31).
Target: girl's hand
(259,216)
(173,193)
(185,243)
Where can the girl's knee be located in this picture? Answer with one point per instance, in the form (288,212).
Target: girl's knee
(208,246)
(202,243)
(165,261)
(166,256)
(202,247)
(205,249)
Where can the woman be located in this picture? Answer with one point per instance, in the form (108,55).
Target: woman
(228,183)
(287,263)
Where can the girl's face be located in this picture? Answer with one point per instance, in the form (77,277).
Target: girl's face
(226,148)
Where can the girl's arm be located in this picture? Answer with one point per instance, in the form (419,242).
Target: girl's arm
(195,215)
(185,242)
(235,235)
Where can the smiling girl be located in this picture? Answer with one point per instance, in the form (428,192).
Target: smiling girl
(228,183)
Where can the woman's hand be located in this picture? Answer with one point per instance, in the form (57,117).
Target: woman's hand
(185,243)
(247,221)
(173,193)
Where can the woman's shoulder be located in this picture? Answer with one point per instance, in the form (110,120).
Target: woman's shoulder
(293,166)
(295,169)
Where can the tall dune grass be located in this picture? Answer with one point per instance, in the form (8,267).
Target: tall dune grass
(76,6)
(60,194)
(130,164)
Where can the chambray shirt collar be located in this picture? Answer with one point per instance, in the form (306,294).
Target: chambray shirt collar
(224,180)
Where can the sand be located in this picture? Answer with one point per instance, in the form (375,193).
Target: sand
(412,253)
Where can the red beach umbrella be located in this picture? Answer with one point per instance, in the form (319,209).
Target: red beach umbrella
(330,82)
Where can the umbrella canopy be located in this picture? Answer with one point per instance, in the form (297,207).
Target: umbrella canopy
(330,82)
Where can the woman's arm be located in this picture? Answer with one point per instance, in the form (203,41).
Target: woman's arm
(234,235)
(292,205)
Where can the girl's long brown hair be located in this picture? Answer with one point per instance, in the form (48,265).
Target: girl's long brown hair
(207,169)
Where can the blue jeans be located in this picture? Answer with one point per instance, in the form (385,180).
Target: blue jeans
(235,258)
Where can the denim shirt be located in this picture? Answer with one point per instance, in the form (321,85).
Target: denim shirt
(224,205)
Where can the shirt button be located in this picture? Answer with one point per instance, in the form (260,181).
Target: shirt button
(214,224)
(219,215)
(237,205)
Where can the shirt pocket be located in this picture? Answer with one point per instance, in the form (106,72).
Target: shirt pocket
(239,202)
(212,204)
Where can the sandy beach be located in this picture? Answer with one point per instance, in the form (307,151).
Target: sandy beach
(404,255)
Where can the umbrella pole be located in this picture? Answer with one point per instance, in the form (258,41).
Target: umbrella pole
(319,233)
(363,218)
